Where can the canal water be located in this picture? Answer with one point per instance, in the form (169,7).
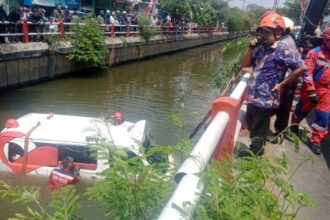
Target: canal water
(150,89)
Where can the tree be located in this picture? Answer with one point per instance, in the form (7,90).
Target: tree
(208,12)
(292,10)
(88,41)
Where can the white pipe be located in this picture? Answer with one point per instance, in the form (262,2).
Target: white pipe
(204,149)
(189,187)
(188,193)
(241,87)
(240,120)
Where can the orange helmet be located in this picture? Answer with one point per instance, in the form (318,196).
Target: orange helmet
(117,115)
(11,123)
(274,21)
(268,12)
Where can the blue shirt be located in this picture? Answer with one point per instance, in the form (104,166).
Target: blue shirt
(269,67)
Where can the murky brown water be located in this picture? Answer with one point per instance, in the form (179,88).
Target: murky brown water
(149,89)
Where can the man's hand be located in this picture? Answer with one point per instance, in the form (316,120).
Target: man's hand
(254,43)
(312,97)
(247,70)
(278,88)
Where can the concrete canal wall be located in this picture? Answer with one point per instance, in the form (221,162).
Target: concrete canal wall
(23,64)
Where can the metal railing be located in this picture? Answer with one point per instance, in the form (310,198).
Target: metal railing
(26,29)
(189,185)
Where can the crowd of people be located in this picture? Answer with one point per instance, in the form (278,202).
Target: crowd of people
(276,65)
(38,16)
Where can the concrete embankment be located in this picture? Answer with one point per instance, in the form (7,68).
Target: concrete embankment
(23,64)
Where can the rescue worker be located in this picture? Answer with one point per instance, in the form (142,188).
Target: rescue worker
(117,118)
(283,112)
(315,94)
(268,59)
(65,175)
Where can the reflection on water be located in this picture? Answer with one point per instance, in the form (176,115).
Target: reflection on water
(149,89)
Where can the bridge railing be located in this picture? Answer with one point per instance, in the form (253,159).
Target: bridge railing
(30,31)
(218,141)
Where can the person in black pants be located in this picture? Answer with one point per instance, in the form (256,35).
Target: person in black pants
(268,59)
(15,27)
(3,18)
(287,96)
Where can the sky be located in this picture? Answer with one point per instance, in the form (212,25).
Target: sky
(265,3)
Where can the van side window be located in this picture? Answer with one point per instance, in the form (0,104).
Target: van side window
(14,152)
(80,154)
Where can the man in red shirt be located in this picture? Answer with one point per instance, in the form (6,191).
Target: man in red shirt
(316,94)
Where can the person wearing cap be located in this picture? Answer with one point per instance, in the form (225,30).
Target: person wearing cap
(107,16)
(284,109)
(315,94)
(113,18)
(67,174)
(25,13)
(268,59)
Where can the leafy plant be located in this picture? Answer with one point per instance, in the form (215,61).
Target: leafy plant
(53,43)
(145,30)
(131,189)
(233,53)
(63,202)
(182,149)
(210,12)
(88,42)
(259,188)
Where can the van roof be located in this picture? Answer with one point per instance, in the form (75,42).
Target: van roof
(74,130)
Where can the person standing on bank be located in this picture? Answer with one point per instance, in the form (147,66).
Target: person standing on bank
(315,94)
(284,109)
(268,59)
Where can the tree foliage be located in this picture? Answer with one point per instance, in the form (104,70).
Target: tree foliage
(131,189)
(292,10)
(232,54)
(260,188)
(88,42)
(144,25)
(209,13)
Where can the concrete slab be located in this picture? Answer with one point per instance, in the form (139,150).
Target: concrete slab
(24,73)
(12,72)
(34,68)
(3,75)
(43,67)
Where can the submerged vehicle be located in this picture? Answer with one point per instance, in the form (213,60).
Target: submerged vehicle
(37,143)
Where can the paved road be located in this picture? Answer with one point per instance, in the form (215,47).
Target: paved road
(313,178)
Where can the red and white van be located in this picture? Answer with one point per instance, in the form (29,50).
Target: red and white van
(36,143)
